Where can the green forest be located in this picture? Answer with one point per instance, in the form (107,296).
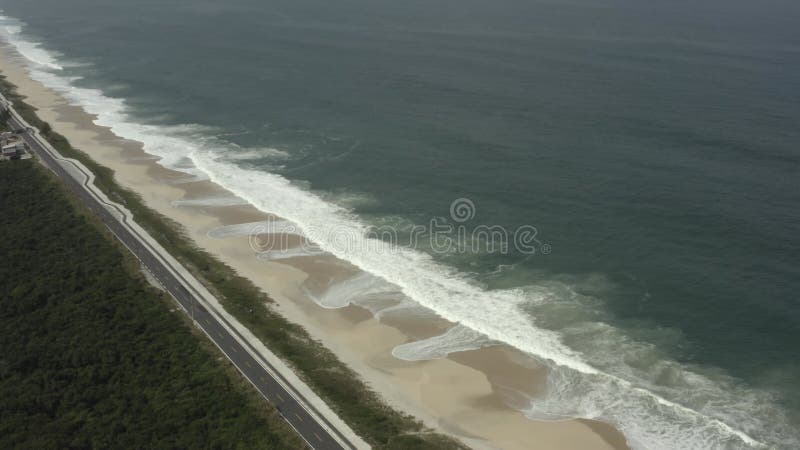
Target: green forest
(91,356)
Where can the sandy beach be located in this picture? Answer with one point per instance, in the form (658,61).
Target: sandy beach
(471,395)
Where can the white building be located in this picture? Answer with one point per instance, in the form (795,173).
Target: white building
(13,149)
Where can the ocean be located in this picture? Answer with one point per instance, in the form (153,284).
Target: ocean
(651,150)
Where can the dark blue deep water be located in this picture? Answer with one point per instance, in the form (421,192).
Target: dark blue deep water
(655,146)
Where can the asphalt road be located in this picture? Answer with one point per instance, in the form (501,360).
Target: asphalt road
(296,414)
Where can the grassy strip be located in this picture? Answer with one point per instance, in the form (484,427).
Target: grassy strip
(337,384)
(92,357)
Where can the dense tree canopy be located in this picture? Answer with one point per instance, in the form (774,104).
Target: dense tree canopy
(90,355)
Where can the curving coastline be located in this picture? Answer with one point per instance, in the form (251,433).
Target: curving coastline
(312,283)
(424,389)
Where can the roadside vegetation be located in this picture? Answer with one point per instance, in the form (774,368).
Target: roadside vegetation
(91,355)
(361,407)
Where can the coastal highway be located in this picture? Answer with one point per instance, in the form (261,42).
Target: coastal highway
(299,412)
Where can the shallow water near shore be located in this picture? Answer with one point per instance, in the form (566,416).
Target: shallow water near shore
(662,173)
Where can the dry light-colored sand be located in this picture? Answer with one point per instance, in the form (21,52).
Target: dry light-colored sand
(466,395)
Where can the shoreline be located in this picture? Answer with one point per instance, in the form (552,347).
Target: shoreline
(454,394)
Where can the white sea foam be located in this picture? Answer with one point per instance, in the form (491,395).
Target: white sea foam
(363,288)
(455,298)
(649,415)
(457,339)
(259,153)
(210,201)
(294,252)
(32,51)
(249,228)
(349,199)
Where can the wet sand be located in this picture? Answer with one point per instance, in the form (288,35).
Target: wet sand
(471,395)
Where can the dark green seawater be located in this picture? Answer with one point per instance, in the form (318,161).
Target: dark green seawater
(654,145)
